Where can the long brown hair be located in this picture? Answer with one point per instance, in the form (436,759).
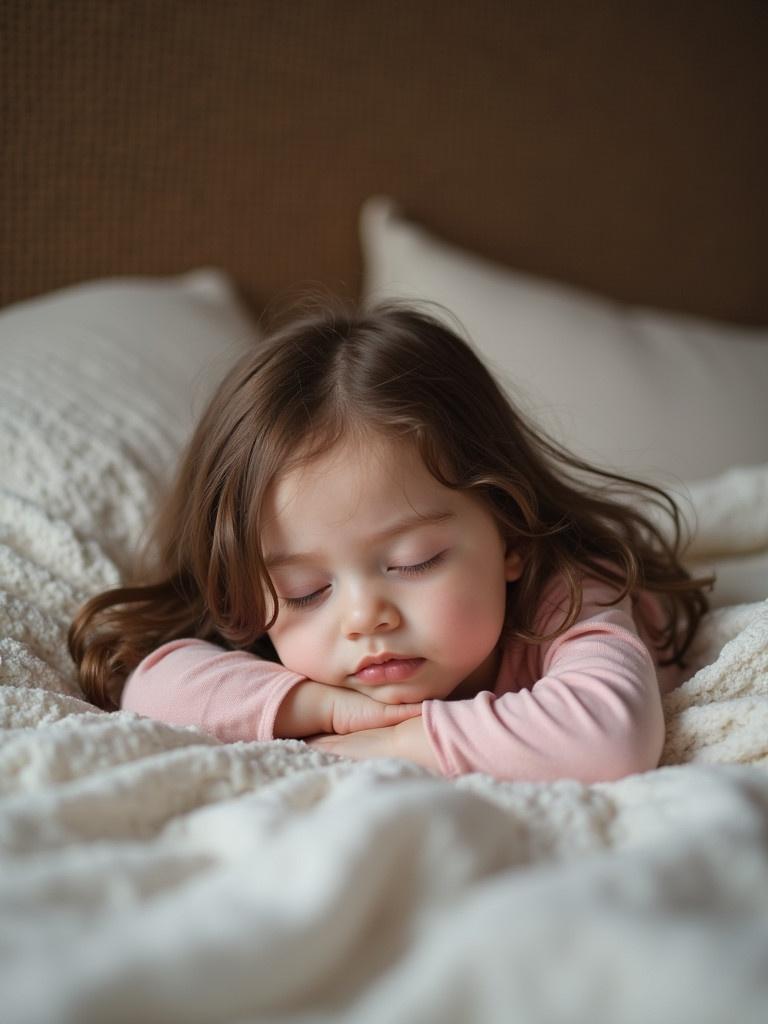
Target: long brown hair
(398,369)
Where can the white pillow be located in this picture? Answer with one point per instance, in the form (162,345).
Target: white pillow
(100,386)
(659,395)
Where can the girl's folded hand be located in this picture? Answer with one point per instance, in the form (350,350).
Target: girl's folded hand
(312,708)
(407,740)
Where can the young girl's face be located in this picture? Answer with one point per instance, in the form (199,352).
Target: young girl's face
(362,580)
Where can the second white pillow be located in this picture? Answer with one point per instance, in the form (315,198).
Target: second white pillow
(658,395)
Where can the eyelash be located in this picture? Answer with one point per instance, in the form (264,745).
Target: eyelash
(407,570)
(415,570)
(301,602)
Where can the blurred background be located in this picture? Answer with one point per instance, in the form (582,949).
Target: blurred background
(621,147)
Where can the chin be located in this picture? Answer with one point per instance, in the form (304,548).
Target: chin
(402,693)
(395,695)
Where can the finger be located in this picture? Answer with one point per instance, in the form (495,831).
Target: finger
(379,716)
(321,742)
(401,712)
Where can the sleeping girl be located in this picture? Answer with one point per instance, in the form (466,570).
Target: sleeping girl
(367,547)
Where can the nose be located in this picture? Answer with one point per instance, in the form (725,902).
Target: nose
(368,611)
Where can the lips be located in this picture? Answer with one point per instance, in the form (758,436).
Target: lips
(387,668)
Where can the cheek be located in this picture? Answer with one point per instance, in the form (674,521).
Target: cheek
(466,611)
(299,647)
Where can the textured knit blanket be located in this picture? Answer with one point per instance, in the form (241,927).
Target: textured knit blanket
(151,873)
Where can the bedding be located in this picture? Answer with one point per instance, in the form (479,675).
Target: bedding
(669,397)
(153,873)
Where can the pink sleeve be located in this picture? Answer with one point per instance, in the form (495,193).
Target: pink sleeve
(594,715)
(231,694)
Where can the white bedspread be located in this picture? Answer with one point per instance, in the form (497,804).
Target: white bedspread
(150,873)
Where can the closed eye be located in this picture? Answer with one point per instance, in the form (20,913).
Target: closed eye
(415,570)
(405,570)
(302,602)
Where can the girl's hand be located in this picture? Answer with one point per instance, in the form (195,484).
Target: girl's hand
(407,740)
(310,708)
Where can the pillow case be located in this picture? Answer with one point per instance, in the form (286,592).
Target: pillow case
(658,395)
(101,385)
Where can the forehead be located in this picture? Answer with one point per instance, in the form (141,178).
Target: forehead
(362,479)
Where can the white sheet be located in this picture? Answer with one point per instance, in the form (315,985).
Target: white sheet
(150,873)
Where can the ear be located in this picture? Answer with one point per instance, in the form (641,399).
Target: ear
(513,565)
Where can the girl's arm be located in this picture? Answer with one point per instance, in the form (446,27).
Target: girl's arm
(594,715)
(234,695)
(230,694)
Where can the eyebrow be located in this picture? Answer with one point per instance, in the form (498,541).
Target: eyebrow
(401,526)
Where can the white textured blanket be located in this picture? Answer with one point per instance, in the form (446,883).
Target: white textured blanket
(151,873)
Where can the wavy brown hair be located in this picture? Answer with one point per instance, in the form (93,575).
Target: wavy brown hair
(400,370)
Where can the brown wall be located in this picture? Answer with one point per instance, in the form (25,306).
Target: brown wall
(621,146)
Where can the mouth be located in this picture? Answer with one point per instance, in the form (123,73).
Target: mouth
(387,668)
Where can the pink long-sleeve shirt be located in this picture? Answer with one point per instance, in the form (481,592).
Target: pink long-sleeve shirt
(586,705)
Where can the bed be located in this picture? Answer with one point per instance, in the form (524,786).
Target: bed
(580,187)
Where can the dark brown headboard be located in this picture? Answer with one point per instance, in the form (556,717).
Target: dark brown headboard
(620,146)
